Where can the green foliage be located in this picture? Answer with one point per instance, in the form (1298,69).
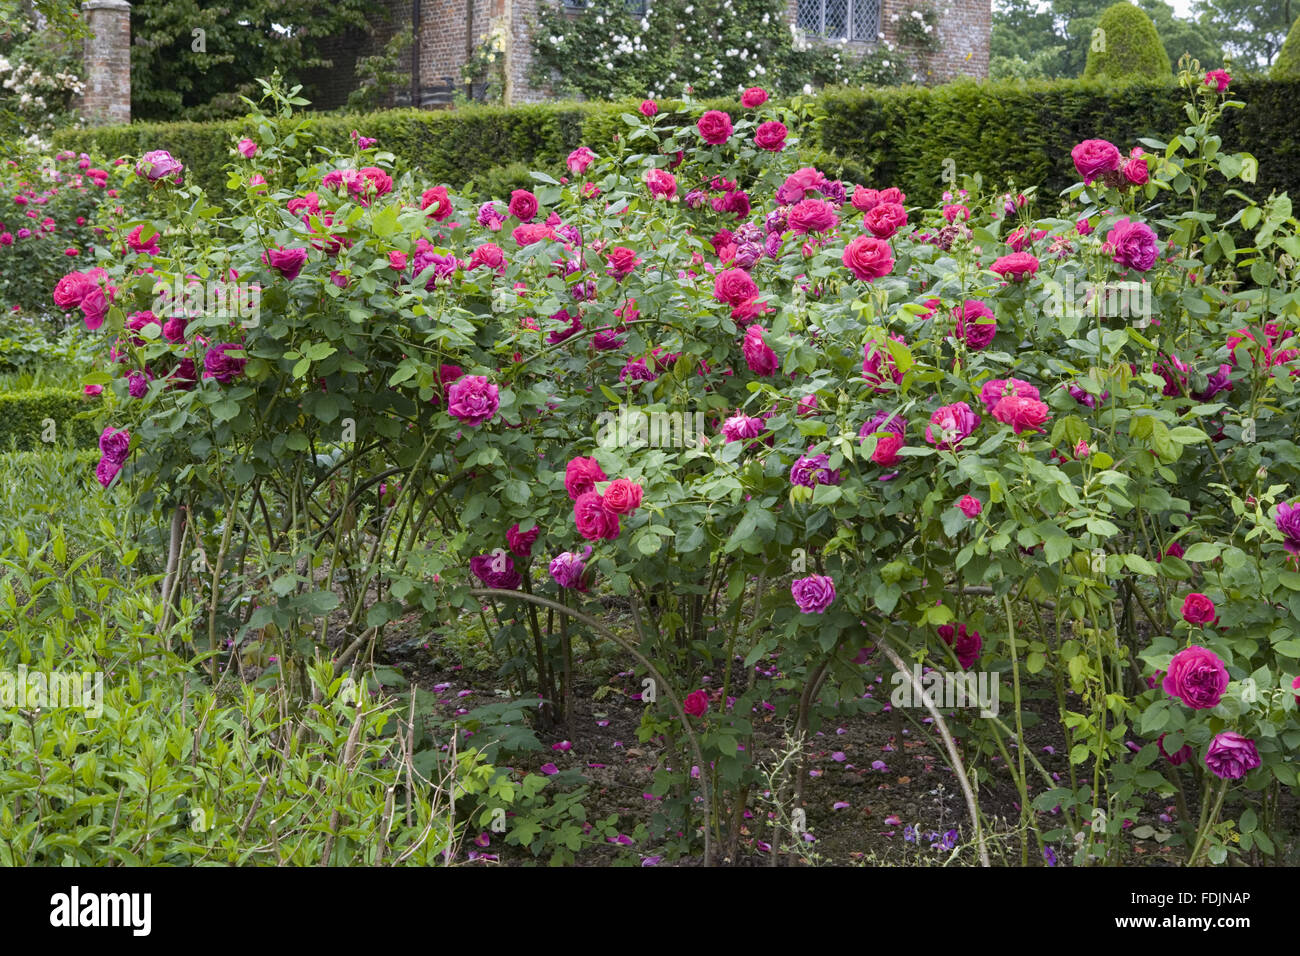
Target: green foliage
(195,59)
(46,415)
(1126,46)
(1287,66)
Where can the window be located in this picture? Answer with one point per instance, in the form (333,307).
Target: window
(841,19)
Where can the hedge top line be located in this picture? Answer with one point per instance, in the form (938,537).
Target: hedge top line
(1018,131)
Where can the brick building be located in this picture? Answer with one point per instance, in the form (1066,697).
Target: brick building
(447,31)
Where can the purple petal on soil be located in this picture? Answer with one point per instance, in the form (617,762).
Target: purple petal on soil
(879,765)
(548,769)
(840,805)
(839,756)
(651,861)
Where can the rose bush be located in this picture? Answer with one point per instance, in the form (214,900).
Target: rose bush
(910,437)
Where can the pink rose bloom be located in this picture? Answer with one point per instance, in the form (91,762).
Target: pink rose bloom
(970,506)
(1197,676)
(473,399)
(715,127)
(72,288)
(888,444)
(568,569)
(247,148)
(622,262)
(968,643)
(758,354)
(1218,79)
(579,160)
(996,389)
(488,254)
(521,543)
(523,205)
(623,496)
(288,262)
(813,594)
(1136,171)
(1083,226)
(157,164)
(696,703)
(734,286)
(753,97)
(581,475)
(1016,267)
(1231,756)
(771,136)
(397,260)
(1198,609)
(1021,413)
(94,307)
(1093,158)
(868,258)
(740,426)
(437,202)
(972,327)
(812,215)
(661,183)
(1178,757)
(885,219)
(648,107)
(864,199)
(593,520)
(951,425)
(878,364)
(1134,244)
(114,444)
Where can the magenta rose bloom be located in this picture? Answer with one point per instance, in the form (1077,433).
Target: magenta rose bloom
(1134,244)
(288,262)
(971,327)
(1178,757)
(1021,413)
(758,354)
(94,308)
(1093,158)
(568,569)
(72,288)
(593,519)
(1219,79)
(106,471)
(810,472)
(740,426)
(158,164)
(885,219)
(1136,171)
(734,286)
(579,160)
(1198,609)
(951,425)
(868,258)
(812,215)
(813,594)
(581,475)
(622,262)
(715,127)
(648,107)
(1231,756)
(114,445)
(1287,521)
(970,506)
(996,389)
(523,205)
(696,703)
(1016,267)
(753,97)
(771,136)
(661,183)
(219,364)
(623,496)
(521,542)
(472,399)
(965,644)
(496,570)
(1197,676)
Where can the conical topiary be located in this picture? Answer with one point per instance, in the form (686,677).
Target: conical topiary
(1287,64)
(1126,46)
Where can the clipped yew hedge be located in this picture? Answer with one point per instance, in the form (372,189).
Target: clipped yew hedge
(899,136)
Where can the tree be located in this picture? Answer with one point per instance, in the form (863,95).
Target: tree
(1126,46)
(1287,65)
(1252,30)
(1181,36)
(194,58)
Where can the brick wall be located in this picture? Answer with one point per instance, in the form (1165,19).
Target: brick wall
(449,28)
(107,62)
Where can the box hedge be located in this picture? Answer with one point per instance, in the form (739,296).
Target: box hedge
(25,417)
